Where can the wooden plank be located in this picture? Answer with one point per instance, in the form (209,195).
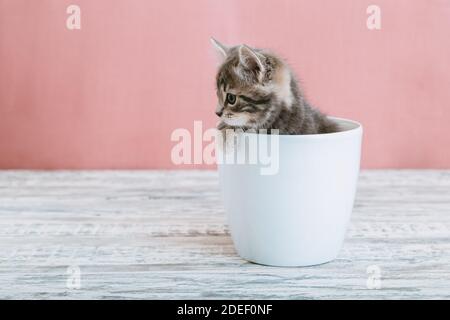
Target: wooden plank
(162,235)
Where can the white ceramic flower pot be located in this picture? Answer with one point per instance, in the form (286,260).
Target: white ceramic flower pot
(298,216)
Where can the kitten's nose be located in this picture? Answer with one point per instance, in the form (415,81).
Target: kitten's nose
(219,113)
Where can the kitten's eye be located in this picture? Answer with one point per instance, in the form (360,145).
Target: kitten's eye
(231,98)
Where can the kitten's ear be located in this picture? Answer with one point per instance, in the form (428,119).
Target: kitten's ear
(221,49)
(251,60)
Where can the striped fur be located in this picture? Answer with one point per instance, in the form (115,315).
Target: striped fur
(267,94)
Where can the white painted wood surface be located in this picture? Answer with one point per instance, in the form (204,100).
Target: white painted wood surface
(162,235)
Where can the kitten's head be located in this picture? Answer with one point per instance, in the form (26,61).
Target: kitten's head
(252,86)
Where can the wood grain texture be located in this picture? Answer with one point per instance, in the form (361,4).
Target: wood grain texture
(162,235)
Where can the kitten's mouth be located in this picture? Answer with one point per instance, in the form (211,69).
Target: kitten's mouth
(238,120)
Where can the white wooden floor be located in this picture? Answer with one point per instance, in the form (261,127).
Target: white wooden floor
(162,235)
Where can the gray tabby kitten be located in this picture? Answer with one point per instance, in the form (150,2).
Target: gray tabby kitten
(257,90)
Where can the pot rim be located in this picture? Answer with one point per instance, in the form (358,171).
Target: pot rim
(352,131)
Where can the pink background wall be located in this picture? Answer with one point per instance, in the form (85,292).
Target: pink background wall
(110,94)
